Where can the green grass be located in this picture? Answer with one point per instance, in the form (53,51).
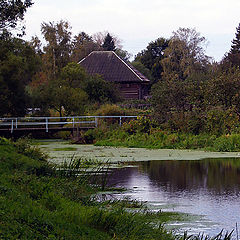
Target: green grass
(158,139)
(37,201)
(65,149)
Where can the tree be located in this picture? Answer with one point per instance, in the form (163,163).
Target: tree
(11,12)
(142,69)
(82,45)
(109,44)
(234,55)
(99,39)
(18,64)
(58,49)
(101,91)
(152,56)
(185,54)
(185,71)
(36,45)
(235,47)
(223,89)
(123,54)
(74,75)
(168,98)
(64,94)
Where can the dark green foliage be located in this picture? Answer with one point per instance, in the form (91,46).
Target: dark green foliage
(37,204)
(12,11)
(159,139)
(18,64)
(123,54)
(152,56)
(101,91)
(64,93)
(142,69)
(234,54)
(109,44)
(235,48)
(82,45)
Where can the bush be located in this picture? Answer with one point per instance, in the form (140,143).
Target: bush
(227,143)
(65,135)
(220,121)
(109,110)
(141,124)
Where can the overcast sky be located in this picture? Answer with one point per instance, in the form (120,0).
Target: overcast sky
(138,22)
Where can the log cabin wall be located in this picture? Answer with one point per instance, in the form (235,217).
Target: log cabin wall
(130,91)
(132,84)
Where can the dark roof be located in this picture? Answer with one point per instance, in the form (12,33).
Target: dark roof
(111,67)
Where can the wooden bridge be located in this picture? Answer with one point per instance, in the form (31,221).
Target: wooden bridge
(30,124)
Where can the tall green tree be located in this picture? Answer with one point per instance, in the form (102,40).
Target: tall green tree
(184,68)
(11,12)
(235,47)
(223,89)
(185,55)
(152,56)
(109,44)
(18,65)
(64,93)
(82,45)
(234,54)
(58,49)
(101,91)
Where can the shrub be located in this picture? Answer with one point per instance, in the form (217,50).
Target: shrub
(4,141)
(220,121)
(141,124)
(109,110)
(65,135)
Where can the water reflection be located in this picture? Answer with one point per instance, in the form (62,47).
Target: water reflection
(219,176)
(207,187)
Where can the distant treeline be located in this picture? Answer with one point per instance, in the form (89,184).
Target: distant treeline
(189,91)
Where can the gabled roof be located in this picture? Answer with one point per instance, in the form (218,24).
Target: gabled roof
(111,67)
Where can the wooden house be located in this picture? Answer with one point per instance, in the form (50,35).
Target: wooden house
(131,83)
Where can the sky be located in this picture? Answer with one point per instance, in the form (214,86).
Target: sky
(138,22)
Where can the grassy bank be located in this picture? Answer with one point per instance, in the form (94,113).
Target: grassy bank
(39,202)
(160,139)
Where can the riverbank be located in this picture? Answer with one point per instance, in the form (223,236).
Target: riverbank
(37,201)
(61,151)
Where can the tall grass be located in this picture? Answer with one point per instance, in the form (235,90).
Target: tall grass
(38,201)
(158,139)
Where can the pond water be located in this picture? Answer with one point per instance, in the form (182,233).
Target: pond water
(181,181)
(209,189)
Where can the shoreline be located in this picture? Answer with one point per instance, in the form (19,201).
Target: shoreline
(60,151)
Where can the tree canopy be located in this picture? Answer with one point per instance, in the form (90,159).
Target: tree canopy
(109,44)
(233,57)
(152,56)
(185,54)
(18,64)
(11,12)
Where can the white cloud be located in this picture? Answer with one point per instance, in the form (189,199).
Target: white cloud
(138,22)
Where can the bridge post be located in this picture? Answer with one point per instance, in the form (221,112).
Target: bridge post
(46,124)
(16,125)
(120,121)
(96,122)
(12,127)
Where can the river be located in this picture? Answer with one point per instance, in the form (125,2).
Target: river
(202,184)
(207,189)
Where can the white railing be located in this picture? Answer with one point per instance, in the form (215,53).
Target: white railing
(49,122)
